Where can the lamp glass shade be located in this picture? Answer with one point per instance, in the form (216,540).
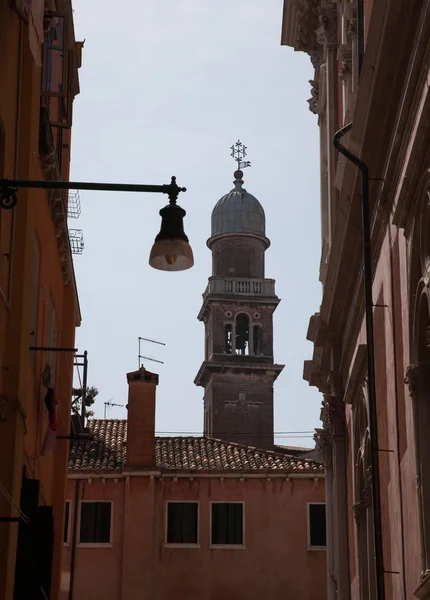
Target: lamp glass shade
(171,255)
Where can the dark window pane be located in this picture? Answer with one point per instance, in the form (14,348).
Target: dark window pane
(95,523)
(66,523)
(182,522)
(227,523)
(317,525)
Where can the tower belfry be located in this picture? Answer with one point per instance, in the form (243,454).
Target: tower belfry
(238,371)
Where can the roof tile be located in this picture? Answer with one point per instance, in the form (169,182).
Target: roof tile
(107,452)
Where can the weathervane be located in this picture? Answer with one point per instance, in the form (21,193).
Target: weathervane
(238,152)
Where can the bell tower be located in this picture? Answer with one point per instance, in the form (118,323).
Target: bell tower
(238,371)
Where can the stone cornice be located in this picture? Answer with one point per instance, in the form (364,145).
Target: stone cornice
(299,24)
(246,365)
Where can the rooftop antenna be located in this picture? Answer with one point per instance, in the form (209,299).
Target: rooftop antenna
(139,356)
(111,404)
(238,152)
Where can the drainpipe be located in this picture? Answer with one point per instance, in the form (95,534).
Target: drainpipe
(373,423)
(74,537)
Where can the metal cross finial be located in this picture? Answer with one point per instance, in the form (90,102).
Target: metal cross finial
(238,152)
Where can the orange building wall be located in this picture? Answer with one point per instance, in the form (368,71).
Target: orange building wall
(274,564)
(21,438)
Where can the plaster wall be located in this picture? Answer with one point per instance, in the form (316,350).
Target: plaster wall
(275,560)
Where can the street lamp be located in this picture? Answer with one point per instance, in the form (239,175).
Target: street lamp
(171,250)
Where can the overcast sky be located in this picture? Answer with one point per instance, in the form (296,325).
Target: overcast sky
(166,88)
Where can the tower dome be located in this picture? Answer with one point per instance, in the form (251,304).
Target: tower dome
(238,212)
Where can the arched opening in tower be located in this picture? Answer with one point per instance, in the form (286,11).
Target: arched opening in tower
(242,334)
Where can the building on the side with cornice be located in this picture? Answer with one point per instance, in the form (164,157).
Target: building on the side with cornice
(371,70)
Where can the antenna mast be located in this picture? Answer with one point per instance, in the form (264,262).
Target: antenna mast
(139,355)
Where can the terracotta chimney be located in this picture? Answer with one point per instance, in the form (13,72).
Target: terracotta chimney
(141,419)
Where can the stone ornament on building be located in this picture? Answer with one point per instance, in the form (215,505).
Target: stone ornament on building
(352,29)
(324,446)
(418,377)
(345,70)
(358,511)
(333,414)
(327,32)
(314,99)
(367,489)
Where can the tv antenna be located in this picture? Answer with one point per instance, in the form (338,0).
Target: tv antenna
(238,152)
(111,404)
(139,356)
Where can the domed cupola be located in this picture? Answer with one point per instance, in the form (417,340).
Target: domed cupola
(238,212)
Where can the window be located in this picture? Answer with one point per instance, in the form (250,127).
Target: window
(227,524)
(66,523)
(316,526)
(182,523)
(95,524)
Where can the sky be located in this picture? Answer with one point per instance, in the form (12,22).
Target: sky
(166,88)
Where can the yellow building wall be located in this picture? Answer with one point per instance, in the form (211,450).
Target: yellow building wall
(25,301)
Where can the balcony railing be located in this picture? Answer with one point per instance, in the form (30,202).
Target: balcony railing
(240,286)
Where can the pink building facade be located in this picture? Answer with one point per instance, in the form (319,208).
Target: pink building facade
(383,92)
(162,518)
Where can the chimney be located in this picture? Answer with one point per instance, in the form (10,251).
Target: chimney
(141,419)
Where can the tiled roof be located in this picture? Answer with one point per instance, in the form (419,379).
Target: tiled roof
(107,451)
(291,449)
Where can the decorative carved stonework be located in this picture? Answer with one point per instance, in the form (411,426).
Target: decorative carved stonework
(352,29)
(314,99)
(327,31)
(324,446)
(418,378)
(346,70)
(307,22)
(367,489)
(358,511)
(316,57)
(333,414)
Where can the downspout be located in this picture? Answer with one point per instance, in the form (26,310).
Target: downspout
(373,422)
(74,537)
